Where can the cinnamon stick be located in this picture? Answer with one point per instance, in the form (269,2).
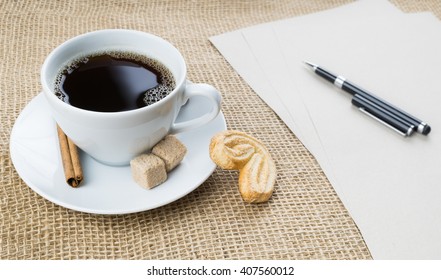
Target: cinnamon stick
(71,161)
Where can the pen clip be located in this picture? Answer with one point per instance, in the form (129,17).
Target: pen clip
(384,117)
(386,124)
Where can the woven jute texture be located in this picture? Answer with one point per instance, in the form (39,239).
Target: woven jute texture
(303,220)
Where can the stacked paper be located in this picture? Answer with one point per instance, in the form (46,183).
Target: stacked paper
(391,185)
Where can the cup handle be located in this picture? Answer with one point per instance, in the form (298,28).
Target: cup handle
(206,91)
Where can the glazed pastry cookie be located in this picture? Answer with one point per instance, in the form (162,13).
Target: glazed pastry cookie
(235,150)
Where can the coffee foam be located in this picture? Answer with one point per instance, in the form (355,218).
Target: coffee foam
(155,94)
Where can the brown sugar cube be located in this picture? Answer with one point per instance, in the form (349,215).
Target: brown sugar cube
(148,170)
(171,151)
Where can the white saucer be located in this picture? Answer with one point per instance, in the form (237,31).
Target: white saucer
(105,190)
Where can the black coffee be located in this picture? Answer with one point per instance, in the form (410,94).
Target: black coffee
(113,82)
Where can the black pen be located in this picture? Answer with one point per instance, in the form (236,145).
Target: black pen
(374,106)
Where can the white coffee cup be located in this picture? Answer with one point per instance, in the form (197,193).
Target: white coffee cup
(115,138)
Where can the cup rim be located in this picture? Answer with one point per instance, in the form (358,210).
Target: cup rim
(48,91)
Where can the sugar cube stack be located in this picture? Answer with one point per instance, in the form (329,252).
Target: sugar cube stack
(150,170)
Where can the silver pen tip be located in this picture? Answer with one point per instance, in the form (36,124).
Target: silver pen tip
(311,64)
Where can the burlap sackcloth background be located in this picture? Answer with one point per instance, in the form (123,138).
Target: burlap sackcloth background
(304,219)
